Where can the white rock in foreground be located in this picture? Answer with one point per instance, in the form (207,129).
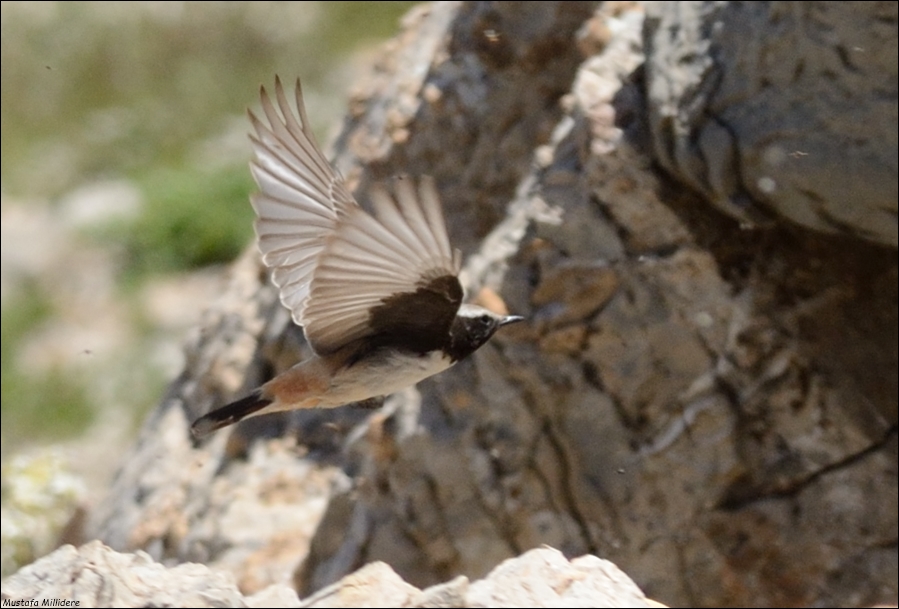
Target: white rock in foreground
(97,576)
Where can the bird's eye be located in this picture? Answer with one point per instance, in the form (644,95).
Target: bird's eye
(484,319)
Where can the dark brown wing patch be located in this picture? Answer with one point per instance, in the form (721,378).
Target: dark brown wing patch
(417,321)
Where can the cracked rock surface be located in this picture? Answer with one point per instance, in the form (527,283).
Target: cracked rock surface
(780,111)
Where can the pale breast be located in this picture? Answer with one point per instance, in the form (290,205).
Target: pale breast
(382,375)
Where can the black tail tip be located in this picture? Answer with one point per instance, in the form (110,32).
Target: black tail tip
(228,414)
(204,426)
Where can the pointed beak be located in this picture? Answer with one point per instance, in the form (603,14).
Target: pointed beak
(510,319)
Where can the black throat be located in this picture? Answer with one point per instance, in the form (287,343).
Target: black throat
(467,335)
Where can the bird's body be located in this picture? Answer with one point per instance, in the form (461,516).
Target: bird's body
(384,372)
(378,296)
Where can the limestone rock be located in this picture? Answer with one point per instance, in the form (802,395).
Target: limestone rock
(96,576)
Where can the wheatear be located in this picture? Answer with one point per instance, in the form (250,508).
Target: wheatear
(378,297)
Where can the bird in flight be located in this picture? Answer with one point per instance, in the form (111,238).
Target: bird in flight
(378,296)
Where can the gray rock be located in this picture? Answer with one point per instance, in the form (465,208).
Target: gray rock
(780,109)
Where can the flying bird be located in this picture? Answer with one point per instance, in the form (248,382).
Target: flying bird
(378,296)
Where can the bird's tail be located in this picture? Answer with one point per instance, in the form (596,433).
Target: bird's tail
(229,414)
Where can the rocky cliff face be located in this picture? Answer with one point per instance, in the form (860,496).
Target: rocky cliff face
(703,243)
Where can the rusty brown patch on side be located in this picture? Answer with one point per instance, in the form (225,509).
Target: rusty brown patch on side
(301,386)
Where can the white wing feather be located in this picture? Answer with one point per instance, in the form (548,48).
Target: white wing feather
(332,261)
(300,197)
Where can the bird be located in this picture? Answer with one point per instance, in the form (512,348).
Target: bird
(378,295)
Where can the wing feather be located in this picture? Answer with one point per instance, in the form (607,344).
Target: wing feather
(344,274)
(300,197)
(370,260)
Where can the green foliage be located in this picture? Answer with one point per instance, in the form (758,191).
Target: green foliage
(190,220)
(109,89)
(51,407)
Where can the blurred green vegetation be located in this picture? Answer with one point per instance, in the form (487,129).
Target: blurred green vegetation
(53,406)
(143,90)
(191,240)
(154,93)
(112,88)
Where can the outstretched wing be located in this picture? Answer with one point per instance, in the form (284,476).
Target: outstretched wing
(344,274)
(301,199)
(389,279)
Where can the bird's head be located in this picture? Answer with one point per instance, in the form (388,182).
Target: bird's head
(474,326)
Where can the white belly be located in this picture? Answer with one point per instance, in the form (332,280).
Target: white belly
(382,377)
